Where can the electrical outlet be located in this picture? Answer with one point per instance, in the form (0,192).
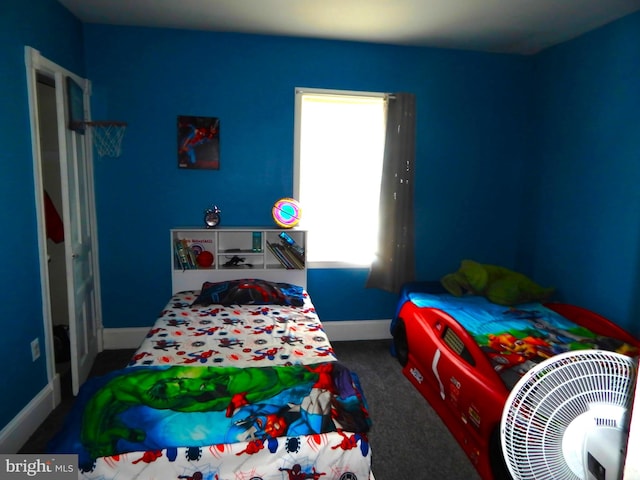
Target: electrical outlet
(35,349)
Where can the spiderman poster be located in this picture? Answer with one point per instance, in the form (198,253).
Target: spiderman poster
(198,142)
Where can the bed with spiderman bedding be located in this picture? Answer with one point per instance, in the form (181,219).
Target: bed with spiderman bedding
(465,353)
(234,380)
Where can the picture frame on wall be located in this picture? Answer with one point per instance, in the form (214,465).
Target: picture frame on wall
(198,142)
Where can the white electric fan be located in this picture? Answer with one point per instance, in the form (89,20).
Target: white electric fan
(567,418)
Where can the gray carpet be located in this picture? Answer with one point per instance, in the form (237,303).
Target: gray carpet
(408,440)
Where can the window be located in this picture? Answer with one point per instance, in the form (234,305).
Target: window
(339,148)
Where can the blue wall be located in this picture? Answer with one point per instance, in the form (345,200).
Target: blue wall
(529,162)
(587,215)
(48,27)
(472,133)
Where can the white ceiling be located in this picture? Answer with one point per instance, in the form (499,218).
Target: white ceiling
(507,26)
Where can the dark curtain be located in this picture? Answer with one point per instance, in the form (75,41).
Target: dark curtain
(395,259)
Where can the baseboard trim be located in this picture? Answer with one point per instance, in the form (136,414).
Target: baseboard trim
(16,433)
(345,330)
(116,338)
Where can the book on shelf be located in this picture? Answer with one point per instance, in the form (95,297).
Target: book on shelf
(293,251)
(293,256)
(290,243)
(281,255)
(287,257)
(185,256)
(278,254)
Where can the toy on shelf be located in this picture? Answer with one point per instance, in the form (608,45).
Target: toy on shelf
(205,259)
(236,262)
(286,212)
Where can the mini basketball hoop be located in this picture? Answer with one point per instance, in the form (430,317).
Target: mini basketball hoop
(107,137)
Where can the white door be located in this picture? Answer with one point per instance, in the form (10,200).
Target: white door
(77,217)
(78,214)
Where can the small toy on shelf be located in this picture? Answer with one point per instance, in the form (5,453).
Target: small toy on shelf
(236,262)
(205,259)
(286,212)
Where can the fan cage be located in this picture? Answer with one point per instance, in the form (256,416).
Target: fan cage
(549,397)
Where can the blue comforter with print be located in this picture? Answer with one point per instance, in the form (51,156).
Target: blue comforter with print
(516,338)
(152,408)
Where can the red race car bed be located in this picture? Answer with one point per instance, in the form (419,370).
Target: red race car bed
(464,354)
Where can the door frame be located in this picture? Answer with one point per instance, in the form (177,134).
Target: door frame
(36,63)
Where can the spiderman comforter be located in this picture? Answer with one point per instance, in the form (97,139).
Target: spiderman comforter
(224,392)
